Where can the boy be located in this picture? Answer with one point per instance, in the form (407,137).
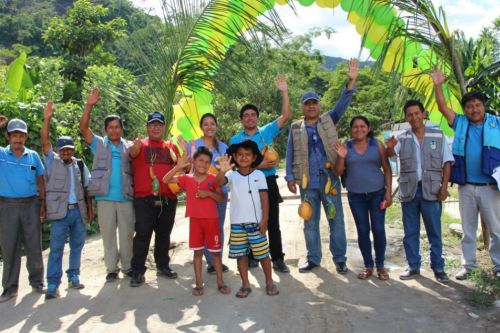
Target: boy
(202,193)
(249,212)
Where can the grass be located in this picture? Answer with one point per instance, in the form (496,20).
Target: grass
(486,289)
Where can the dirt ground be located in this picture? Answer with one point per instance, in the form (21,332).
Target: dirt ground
(321,301)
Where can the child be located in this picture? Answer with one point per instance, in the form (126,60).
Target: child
(249,212)
(202,193)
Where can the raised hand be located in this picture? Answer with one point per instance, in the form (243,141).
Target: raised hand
(93,97)
(352,69)
(391,142)
(340,149)
(48,112)
(225,163)
(281,83)
(137,141)
(182,143)
(183,161)
(3,121)
(437,76)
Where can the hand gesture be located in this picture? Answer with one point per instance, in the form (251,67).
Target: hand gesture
(93,97)
(3,121)
(183,161)
(340,149)
(281,83)
(48,112)
(225,163)
(352,69)
(291,186)
(437,76)
(391,142)
(137,142)
(182,143)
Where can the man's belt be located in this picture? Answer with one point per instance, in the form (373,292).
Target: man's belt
(18,200)
(71,206)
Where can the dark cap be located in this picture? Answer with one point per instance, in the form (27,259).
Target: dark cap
(156,116)
(248,144)
(17,125)
(65,142)
(311,95)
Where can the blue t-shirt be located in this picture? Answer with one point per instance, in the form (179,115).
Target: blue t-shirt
(18,175)
(115,181)
(473,155)
(264,136)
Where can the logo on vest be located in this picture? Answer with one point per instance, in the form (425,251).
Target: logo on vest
(433,145)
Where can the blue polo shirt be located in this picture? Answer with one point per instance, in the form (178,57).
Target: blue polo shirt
(264,136)
(18,175)
(115,181)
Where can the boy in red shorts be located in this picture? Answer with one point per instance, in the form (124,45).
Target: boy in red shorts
(202,193)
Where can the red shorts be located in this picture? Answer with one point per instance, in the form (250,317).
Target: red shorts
(204,232)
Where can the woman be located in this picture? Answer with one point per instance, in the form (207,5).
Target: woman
(208,124)
(369,191)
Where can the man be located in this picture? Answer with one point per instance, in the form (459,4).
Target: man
(22,192)
(69,207)
(249,116)
(425,160)
(309,161)
(111,184)
(476,148)
(154,203)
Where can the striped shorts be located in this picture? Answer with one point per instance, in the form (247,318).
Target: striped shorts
(247,236)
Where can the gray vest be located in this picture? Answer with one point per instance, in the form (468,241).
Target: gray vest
(431,151)
(57,189)
(328,134)
(101,169)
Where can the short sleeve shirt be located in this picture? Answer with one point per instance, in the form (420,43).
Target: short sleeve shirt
(245,204)
(18,175)
(264,136)
(199,207)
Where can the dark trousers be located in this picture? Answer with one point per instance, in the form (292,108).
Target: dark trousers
(152,214)
(273,227)
(21,221)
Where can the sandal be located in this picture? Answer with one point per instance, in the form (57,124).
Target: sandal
(382,274)
(243,292)
(224,290)
(272,290)
(197,291)
(365,273)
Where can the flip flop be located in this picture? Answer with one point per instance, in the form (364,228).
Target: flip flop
(272,290)
(197,291)
(243,292)
(224,290)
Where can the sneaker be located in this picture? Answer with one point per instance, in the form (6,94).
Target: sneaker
(74,282)
(280,266)
(137,280)
(307,267)
(8,294)
(167,272)
(341,267)
(441,276)
(111,277)
(252,263)
(52,292)
(38,289)
(463,274)
(409,273)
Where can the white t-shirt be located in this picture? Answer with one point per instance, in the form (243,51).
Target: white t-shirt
(245,205)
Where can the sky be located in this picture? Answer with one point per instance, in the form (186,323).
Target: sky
(470,16)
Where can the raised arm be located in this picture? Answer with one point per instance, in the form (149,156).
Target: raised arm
(3,121)
(224,166)
(352,73)
(170,177)
(345,98)
(135,149)
(341,150)
(92,100)
(438,78)
(45,136)
(285,100)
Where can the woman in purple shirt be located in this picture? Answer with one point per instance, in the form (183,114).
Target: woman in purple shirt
(369,191)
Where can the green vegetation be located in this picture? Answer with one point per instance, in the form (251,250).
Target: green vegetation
(487,288)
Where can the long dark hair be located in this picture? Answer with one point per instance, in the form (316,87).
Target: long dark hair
(211,115)
(365,120)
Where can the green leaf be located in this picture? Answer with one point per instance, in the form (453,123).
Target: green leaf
(17,77)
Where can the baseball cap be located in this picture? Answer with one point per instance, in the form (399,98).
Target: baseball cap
(17,125)
(249,144)
(156,116)
(65,142)
(311,95)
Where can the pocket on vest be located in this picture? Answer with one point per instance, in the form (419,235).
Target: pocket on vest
(408,164)
(58,183)
(491,160)
(435,180)
(55,201)
(436,161)
(407,186)
(458,171)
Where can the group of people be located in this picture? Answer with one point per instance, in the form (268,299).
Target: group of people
(135,185)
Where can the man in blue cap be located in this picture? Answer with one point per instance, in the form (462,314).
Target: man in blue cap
(22,192)
(309,161)
(69,207)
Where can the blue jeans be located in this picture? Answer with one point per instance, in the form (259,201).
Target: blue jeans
(431,214)
(221,210)
(338,243)
(365,208)
(73,226)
